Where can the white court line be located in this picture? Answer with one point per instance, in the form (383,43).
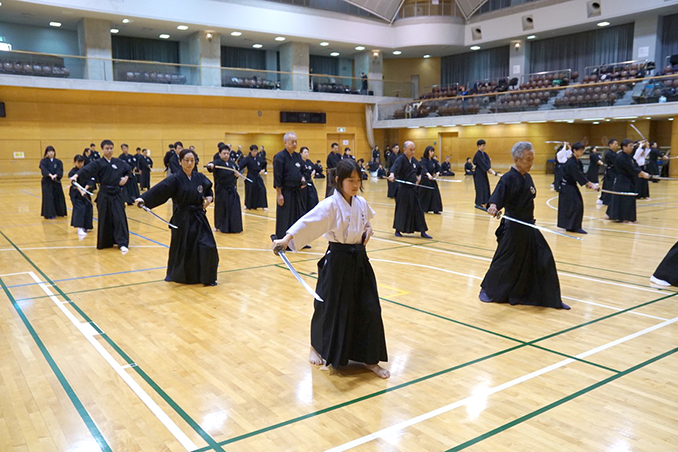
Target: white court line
(563,273)
(89,332)
(13,274)
(72,247)
(258,216)
(478,277)
(394,429)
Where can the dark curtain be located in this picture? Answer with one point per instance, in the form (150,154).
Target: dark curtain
(243,58)
(142,49)
(324,65)
(669,38)
(468,68)
(580,50)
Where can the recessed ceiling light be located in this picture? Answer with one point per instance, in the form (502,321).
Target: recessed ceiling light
(626,117)
(593,119)
(490,123)
(335,54)
(280,38)
(531,37)
(115,30)
(513,122)
(164,36)
(413,127)
(603,23)
(649,117)
(596,122)
(236,33)
(257,46)
(397,52)
(125,21)
(182,27)
(670,119)
(55,24)
(427,56)
(359,48)
(536,122)
(467,125)
(324,44)
(475,47)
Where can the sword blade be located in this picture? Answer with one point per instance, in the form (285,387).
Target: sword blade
(410,183)
(541,228)
(662,178)
(621,193)
(158,217)
(448,180)
(636,129)
(281,252)
(231,169)
(82,188)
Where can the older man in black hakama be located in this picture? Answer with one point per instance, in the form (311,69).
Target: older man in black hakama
(289,183)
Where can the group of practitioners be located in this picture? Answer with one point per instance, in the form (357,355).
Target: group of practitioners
(347,324)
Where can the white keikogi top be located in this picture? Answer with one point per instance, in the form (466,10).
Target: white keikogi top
(640,155)
(563,155)
(335,219)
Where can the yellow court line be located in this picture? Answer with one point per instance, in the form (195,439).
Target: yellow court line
(398,293)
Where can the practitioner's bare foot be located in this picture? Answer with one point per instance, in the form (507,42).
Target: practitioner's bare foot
(315,358)
(377,369)
(606,217)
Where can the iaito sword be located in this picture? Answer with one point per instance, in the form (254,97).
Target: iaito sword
(81,188)
(411,183)
(447,180)
(157,216)
(541,228)
(620,193)
(280,251)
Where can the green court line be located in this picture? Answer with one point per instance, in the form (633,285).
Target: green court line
(559,402)
(203,434)
(426,377)
(360,399)
(82,411)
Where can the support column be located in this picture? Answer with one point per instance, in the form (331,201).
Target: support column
(294,58)
(646,40)
(94,39)
(673,166)
(372,64)
(204,50)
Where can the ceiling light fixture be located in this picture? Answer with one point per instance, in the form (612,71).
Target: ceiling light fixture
(115,31)
(397,52)
(164,36)
(324,44)
(55,24)
(335,54)
(532,37)
(125,21)
(280,38)
(475,47)
(603,23)
(427,56)
(257,46)
(236,33)
(360,48)
(182,27)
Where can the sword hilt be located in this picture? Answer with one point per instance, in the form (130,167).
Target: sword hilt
(278,248)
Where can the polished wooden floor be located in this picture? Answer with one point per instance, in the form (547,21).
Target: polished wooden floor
(99,352)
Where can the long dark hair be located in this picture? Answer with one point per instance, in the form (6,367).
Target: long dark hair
(426,152)
(343,170)
(49,148)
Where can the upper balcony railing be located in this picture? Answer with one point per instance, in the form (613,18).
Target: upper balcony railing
(627,91)
(114,70)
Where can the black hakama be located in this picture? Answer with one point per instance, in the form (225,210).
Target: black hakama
(83,209)
(652,166)
(623,208)
(570,202)
(255,191)
(311,192)
(130,191)
(287,175)
(483,164)
(53,200)
(668,268)
(610,175)
(408,216)
(113,229)
(592,171)
(227,210)
(193,255)
(642,188)
(446,169)
(430,200)
(145,165)
(348,325)
(523,270)
(392,187)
